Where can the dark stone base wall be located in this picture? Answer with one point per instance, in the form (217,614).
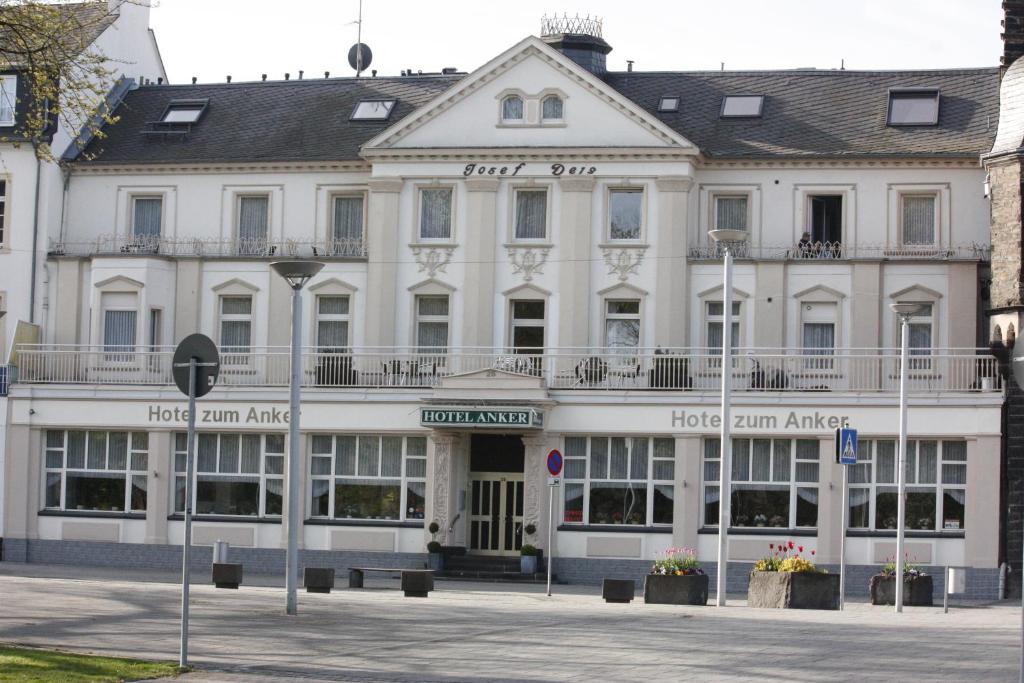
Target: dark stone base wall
(982,584)
(1013,482)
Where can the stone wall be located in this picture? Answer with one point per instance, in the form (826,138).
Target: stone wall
(1005,179)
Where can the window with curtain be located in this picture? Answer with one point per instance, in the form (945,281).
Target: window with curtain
(235,329)
(619,480)
(235,474)
(713,322)
(730,212)
(432,324)
(105,471)
(920,329)
(936,481)
(918,219)
(551,108)
(625,214)
(253,222)
(436,213)
(118,331)
(146,217)
(348,226)
(332,318)
(368,476)
(531,214)
(622,326)
(8,99)
(818,334)
(774,482)
(512,108)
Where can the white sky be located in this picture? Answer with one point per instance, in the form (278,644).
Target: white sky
(245,38)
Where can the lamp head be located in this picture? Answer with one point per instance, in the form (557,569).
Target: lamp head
(730,236)
(905,310)
(297,273)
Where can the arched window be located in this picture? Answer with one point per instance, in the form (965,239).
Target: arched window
(551,108)
(512,108)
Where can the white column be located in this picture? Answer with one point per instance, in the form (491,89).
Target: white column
(535,493)
(440,457)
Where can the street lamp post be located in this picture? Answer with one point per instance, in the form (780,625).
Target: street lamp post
(728,239)
(904,311)
(296,274)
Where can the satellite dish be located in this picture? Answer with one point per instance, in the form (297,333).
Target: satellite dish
(367,56)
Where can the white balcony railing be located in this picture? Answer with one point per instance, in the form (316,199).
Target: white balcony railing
(833,251)
(155,245)
(754,370)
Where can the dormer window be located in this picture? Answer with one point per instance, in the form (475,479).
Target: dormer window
(512,108)
(8,99)
(913,107)
(668,104)
(373,110)
(183,111)
(551,108)
(742,106)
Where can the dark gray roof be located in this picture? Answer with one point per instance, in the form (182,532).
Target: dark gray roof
(305,120)
(805,114)
(810,113)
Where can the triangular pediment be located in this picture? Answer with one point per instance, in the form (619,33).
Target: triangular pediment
(490,384)
(468,115)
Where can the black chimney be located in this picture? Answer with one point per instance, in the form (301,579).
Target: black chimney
(580,40)
(1013,31)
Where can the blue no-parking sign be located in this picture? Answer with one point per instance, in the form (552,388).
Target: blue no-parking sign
(846,446)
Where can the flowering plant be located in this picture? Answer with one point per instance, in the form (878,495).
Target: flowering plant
(910,569)
(786,557)
(677,562)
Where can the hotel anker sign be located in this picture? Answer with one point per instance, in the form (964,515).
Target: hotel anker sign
(475,417)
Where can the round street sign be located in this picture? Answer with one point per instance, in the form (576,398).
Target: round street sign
(1018,363)
(554,462)
(202,348)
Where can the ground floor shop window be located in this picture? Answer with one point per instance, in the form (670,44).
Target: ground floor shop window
(619,480)
(774,482)
(96,471)
(936,482)
(364,476)
(235,474)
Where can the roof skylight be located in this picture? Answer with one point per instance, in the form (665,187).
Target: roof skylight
(913,107)
(182,111)
(668,103)
(373,110)
(742,106)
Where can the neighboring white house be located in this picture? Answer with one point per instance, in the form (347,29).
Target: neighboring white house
(517,261)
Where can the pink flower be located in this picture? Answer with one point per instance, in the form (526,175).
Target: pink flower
(812,552)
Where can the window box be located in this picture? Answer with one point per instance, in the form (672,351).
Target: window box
(917,590)
(793,590)
(669,589)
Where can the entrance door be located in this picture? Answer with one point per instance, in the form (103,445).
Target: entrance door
(496,513)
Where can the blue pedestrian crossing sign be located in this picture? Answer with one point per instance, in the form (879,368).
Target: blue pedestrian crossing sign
(846,446)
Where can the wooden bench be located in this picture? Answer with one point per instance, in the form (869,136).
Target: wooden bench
(416,583)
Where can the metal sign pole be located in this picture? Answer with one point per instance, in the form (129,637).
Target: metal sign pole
(186,547)
(842,538)
(551,524)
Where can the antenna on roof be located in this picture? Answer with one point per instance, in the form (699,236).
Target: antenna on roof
(359,55)
(194,79)
(229,78)
(723,66)
(842,65)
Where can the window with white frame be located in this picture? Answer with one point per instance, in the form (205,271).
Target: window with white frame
(119,326)
(512,108)
(730,212)
(436,213)
(8,99)
(235,474)
(774,482)
(432,324)
(917,219)
(146,217)
(714,319)
(921,332)
(96,470)
(936,480)
(551,108)
(347,231)
(625,214)
(818,334)
(622,325)
(332,318)
(253,224)
(619,480)
(3,212)
(235,329)
(531,214)
(368,476)
(527,326)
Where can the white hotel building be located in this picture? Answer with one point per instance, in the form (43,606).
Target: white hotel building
(517,260)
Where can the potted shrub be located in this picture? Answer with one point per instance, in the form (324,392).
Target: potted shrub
(917,586)
(435,557)
(676,579)
(528,559)
(786,579)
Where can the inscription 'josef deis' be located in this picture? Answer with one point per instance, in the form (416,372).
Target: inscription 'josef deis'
(253,416)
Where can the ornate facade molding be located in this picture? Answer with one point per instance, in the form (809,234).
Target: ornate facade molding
(432,260)
(444,449)
(528,260)
(535,508)
(623,261)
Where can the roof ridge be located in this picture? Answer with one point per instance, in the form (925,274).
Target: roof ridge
(811,72)
(304,81)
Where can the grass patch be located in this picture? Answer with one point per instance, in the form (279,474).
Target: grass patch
(30,665)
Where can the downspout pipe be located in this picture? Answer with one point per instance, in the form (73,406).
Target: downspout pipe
(35,237)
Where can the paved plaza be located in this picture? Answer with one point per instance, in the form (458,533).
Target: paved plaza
(478,632)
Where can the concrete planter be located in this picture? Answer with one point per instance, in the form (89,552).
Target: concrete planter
(417,584)
(528,564)
(318,579)
(618,590)
(669,589)
(789,590)
(435,561)
(227,575)
(917,590)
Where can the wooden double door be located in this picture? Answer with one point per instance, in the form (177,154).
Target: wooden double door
(495,513)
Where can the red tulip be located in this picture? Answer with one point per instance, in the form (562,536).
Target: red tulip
(771,546)
(801,549)
(791,545)
(812,552)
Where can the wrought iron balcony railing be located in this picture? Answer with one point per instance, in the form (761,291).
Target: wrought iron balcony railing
(833,251)
(155,245)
